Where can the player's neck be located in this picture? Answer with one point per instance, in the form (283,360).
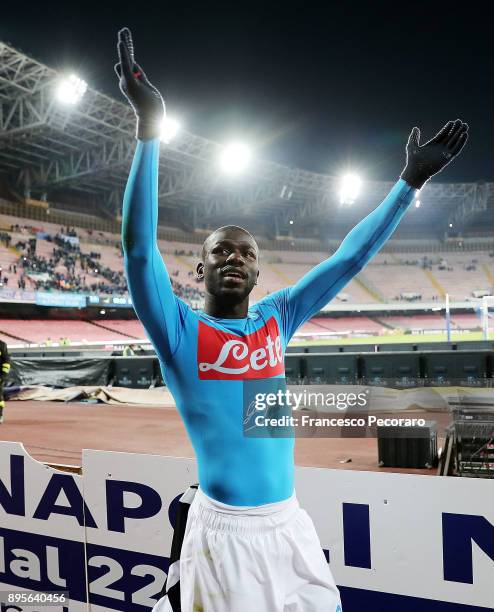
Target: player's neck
(222,309)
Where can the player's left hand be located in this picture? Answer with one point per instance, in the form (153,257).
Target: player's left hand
(423,161)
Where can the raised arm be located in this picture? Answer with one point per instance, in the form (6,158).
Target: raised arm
(159,310)
(322,283)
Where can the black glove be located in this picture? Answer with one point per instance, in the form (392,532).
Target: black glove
(429,159)
(144,98)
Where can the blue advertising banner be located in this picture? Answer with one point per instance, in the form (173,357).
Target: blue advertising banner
(393,541)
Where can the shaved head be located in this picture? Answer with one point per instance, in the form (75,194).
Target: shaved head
(226,229)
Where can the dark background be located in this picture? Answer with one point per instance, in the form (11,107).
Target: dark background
(327,87)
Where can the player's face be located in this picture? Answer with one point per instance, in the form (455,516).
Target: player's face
(231,264)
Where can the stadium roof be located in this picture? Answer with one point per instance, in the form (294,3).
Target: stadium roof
(47,148)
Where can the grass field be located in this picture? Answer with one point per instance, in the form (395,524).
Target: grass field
(394,339)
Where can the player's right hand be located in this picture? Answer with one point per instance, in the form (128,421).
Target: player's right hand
(144,98)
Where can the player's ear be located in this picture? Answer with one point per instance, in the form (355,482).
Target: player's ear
(200,270)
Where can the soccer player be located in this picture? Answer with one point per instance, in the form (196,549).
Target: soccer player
(247,546)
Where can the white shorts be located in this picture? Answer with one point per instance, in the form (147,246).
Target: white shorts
(252,559)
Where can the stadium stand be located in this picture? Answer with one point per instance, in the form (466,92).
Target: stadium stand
(425,322)
(466,321)
(129,329)
(347,324)
(56,264)
(68,258)
(38,331)
(107,330)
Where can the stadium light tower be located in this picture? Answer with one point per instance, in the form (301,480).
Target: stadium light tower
(235,158)
(349,188)
(169,129)
(71,89)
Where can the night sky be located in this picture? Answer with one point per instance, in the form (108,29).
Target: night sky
(324,87)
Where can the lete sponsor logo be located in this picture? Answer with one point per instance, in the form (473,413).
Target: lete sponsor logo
(223,356)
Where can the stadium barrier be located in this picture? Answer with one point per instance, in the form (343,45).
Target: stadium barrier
(393,541)
(464,345)
(398,369)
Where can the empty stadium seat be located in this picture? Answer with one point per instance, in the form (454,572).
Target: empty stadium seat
(38,330)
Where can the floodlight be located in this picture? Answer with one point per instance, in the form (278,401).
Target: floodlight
(169,129)
(234,158)
(349,188)
(291,221)
(450,225)
(71,89)
(417,203)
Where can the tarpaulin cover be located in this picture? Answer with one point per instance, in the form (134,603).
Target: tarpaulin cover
(108,395)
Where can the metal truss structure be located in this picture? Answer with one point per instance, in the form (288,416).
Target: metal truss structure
(47,148)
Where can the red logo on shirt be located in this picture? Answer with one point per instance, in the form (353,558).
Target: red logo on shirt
(223,356)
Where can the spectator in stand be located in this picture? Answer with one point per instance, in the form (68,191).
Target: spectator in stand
(5,239)
(70,256)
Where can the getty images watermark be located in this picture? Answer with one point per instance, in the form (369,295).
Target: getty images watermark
(301,399)
(334,411)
